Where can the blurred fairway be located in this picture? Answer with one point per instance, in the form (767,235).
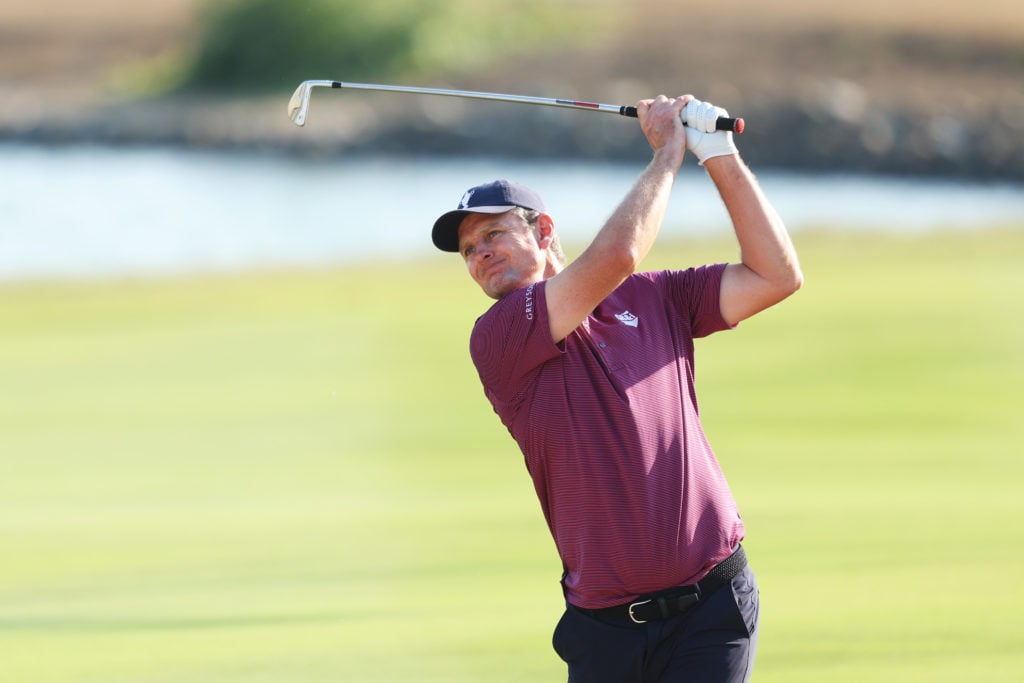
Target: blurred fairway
(296,477)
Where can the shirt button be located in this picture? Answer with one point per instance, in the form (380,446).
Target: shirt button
(602,345)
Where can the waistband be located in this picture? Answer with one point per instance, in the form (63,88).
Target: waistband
(674,601)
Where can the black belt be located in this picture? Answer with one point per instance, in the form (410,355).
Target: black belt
(674,601)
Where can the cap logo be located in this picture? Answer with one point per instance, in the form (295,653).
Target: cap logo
(464,202)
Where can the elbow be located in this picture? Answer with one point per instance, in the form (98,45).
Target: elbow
(611,261)
(622,261)
(793,281)
(784,283)
(629,260)
(796,278)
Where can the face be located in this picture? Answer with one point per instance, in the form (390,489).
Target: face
(502,252)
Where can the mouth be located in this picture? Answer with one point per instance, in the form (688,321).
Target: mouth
(491,269)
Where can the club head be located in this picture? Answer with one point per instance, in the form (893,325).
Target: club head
(298,105)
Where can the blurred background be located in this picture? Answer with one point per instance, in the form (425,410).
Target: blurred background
(181,104)
(865,87)
(240,435)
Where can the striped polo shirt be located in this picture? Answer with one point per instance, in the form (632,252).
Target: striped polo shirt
(608,423)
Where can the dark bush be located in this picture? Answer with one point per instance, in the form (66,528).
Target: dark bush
(274,44)
(269,44)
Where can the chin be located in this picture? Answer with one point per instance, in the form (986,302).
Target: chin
(502,286)
(498,293)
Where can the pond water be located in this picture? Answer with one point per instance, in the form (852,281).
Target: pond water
(81,212)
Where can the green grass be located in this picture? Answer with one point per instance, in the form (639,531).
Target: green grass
(296,477)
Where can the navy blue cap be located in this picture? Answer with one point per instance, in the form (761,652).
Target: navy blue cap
(494,197)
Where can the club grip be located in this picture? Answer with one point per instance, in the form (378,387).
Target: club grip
(733,125)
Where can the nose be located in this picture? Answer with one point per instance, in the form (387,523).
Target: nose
(482,253)
(479,262)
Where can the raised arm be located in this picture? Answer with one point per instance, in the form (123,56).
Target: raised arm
(629,233)
(768,270)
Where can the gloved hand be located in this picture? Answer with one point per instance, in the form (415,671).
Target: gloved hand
(701,137)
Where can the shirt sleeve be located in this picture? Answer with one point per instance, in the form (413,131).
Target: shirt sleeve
(509,344)
(696,293)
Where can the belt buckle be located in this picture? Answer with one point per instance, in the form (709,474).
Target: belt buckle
(630,611)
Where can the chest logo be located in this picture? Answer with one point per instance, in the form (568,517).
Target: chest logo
(627,318)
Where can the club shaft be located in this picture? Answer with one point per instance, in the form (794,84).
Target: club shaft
(497,97)
(723,123)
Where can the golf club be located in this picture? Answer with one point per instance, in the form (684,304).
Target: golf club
(298,105)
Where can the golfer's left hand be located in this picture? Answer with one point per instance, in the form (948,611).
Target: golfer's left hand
(701,136)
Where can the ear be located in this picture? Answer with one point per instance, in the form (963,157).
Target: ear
(545,230)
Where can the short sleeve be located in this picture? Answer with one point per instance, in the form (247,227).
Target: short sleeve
(696,294)
(508,345)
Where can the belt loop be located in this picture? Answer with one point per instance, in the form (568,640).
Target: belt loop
(663,607)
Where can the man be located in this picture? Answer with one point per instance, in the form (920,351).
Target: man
(590,367)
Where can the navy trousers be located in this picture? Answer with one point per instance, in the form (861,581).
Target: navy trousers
(713,642)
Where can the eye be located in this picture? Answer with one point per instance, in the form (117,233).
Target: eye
(467,252)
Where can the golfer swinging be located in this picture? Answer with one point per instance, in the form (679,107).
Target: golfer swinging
(590,366)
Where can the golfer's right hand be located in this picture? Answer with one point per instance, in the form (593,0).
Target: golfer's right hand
(662,124)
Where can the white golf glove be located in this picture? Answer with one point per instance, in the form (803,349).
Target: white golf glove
(701,137)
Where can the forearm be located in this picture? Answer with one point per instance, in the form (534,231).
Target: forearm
(765,246)
(627,236)
(630,232)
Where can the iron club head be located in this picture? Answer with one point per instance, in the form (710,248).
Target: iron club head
(298,105)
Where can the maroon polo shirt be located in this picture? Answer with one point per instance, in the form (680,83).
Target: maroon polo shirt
(608,423)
